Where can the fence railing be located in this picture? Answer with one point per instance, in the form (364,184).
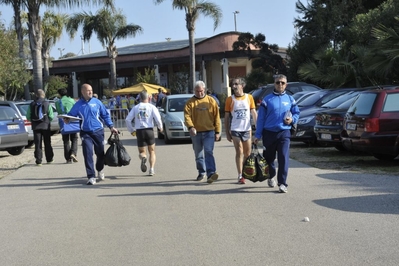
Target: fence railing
(118,116)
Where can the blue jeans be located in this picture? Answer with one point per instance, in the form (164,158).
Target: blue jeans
(203,144)
(277,142)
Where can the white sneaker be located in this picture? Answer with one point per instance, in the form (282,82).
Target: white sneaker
(271,182)
(91,181)
(283,189)
(152,172)
(101,175)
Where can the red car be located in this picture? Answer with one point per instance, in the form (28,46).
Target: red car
(371,124)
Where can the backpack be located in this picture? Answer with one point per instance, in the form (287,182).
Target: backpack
(39,111)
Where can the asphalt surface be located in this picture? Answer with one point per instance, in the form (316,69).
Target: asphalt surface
(49,216)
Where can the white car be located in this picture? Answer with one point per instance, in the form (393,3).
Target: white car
(172,115)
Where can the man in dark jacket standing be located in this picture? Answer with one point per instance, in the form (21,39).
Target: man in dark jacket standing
(40,113)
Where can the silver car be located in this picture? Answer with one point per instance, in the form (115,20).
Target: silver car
(172,115)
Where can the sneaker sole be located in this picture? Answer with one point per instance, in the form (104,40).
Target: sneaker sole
(241,182)
(143,166)
(73,158)
(212,178)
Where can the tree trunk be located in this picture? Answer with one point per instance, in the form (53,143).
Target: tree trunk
(20,36)
(192,61)
(112,54)
(35,40)
(46,70)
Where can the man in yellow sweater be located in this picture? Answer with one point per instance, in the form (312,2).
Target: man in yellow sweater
(201,116)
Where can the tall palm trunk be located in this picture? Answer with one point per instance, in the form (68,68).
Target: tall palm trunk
(190,28)
(35,40)
(16,5)
(112,54)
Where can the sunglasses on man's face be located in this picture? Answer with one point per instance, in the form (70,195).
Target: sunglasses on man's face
(280,82)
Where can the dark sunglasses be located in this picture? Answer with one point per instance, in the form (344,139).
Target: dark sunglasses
(280,82)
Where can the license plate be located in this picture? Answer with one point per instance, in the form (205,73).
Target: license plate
(350,126)
(325,136)
(12,127)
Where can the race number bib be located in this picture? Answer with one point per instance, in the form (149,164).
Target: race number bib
(240,114)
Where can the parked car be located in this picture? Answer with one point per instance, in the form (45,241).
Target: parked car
(371,124)
(13,135)
(21,109)
(54,126)
(172,115)
(292,88)
(329,125)
(322,100)
(299,96)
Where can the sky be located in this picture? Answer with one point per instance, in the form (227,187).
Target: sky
(274,19)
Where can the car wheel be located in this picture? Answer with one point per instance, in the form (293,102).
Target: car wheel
(30,144)
(384,157)
(340,148)
(160,135)
(16,150)
(166,139)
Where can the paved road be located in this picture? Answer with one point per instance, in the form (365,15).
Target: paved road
(50,217)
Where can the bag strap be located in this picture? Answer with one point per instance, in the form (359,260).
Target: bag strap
(254,150)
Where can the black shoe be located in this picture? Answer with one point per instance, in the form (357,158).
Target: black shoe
(200,177)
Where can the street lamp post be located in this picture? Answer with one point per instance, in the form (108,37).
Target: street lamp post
(61,49)
(235,19)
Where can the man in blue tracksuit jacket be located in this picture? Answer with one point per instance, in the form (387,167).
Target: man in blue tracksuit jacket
(92,112)
(278,111)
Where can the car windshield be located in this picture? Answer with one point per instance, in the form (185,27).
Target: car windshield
(311,100)
(7,114)
(363,104)
(23,108)
(340,99)
(177,104)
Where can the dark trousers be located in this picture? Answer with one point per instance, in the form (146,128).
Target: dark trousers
(70,145)
(40,136)
(277,142)
(92,140)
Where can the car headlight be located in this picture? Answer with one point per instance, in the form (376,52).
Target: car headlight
(305,120)
(175,123)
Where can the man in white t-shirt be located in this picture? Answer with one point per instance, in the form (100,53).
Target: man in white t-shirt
(143,116)
(237,120)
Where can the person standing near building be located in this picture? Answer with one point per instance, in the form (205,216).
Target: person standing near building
(132,102)
(277,112)
(105,102)
(161,95)
(63,106)
(201,116)
(92,112)
(237,121)
(143,115)
(40,113)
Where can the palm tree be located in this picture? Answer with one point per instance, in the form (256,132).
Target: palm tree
(34,27)
(109,26)
(52,26)
(193,9)
(384,59)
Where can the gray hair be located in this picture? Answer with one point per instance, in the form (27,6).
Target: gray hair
(199,83)
(280,76)
(143,95)
(241,80)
